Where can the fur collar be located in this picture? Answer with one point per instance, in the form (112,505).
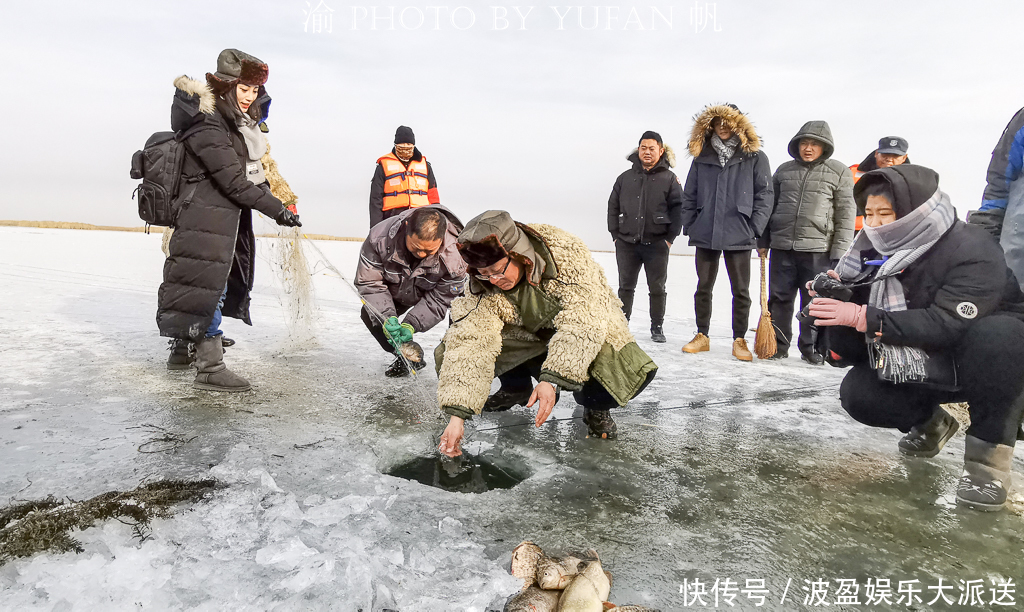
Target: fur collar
(741,126)
(199,89)
(668,157)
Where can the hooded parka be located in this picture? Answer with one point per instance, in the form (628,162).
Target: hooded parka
(646,205)
(814,211)
(213,243)
(562,307)
(726,208)
(388,275)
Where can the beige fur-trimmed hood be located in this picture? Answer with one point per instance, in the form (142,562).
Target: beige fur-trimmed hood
(668,157)
(750,142)
(199,89)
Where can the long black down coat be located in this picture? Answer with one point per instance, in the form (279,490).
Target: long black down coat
(962,278)
(213,242)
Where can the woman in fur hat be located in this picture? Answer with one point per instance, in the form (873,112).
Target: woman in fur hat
(209,272)
(727,201)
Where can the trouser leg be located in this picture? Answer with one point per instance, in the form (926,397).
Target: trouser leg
(737,264)
(782,290)
(656,268)
(707,271)
(879,403)
(214,328)
(991,369)
(808,266)
(520,378)
(628,262)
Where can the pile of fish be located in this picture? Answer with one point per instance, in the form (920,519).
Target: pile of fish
(571,583)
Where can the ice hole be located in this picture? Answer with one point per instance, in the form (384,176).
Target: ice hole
(463,474)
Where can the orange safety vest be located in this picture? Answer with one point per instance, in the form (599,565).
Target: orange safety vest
(404,187)
(855,169)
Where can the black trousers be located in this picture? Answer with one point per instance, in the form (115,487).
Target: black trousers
(377,330)
(788,274)
(592,396)
(990,360)
(737,264)
(653,257)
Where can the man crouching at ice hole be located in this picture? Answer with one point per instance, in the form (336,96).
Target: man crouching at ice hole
(941,316)
(409,264)
(538,306)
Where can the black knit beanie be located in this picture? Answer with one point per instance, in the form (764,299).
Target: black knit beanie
(404,135)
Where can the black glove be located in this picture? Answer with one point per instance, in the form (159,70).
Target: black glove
(288,218)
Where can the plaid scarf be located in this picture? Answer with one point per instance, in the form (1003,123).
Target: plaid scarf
(725,149)
(904,242)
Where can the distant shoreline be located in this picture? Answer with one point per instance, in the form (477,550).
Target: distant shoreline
(73,225)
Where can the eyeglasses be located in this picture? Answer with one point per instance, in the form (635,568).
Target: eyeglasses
(501,274)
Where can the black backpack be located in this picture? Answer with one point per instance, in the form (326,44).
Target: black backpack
(159,166)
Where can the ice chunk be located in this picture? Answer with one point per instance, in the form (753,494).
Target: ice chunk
(330,512)
(284,555)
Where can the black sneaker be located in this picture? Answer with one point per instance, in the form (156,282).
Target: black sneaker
(813,358)
(657,333)
(980,493)
(226,342)
(779,355)
(927,439)
(397,369)
(502,400)
(600,424)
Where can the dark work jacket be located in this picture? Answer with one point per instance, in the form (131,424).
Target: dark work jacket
(964,273)
(646,205)
(213,243)
(727,208)
(377,212)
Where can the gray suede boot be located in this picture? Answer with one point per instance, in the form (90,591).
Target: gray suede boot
(181,356)
(986,476)
(213,374)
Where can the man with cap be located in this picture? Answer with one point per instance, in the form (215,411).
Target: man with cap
(644,219)
(891,151)
(811,225)
(537,307)
(403,179)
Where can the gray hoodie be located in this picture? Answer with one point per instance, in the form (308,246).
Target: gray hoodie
(814,210)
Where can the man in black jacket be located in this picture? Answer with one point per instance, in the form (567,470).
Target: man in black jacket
(644,218)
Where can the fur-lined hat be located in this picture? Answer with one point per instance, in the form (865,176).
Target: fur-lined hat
(493,235)
(733,118)
(233,67)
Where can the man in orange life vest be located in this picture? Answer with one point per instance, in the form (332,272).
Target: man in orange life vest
(891,151)
(403,179)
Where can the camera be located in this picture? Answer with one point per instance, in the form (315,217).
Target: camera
(827,287)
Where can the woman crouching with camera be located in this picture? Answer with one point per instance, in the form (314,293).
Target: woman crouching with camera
(935,317)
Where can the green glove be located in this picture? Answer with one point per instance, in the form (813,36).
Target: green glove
(397,333)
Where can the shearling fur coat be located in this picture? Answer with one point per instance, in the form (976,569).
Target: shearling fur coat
(571,314)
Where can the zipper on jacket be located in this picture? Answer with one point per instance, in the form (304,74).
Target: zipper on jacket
(800,203)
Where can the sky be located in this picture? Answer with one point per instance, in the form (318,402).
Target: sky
(534,116)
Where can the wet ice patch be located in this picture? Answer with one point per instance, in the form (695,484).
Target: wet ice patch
(463,474)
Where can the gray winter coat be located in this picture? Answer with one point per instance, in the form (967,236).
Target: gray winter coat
(388,274)
(814,208)
(726,208)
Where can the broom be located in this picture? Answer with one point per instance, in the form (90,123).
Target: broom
(764,340)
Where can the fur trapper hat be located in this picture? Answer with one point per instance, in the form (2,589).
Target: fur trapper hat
(233,67)
(491,236)
(733,118)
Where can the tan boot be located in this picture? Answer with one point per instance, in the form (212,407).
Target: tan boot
(700,343)
(740,350)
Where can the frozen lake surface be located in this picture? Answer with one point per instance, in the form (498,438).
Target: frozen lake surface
(723,470)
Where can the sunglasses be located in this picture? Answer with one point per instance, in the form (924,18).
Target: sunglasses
(501,274)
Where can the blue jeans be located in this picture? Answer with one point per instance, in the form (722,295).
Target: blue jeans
(214,328)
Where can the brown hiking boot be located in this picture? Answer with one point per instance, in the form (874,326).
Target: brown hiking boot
(600,424)
(213,374)
(740,350)
(699,344)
